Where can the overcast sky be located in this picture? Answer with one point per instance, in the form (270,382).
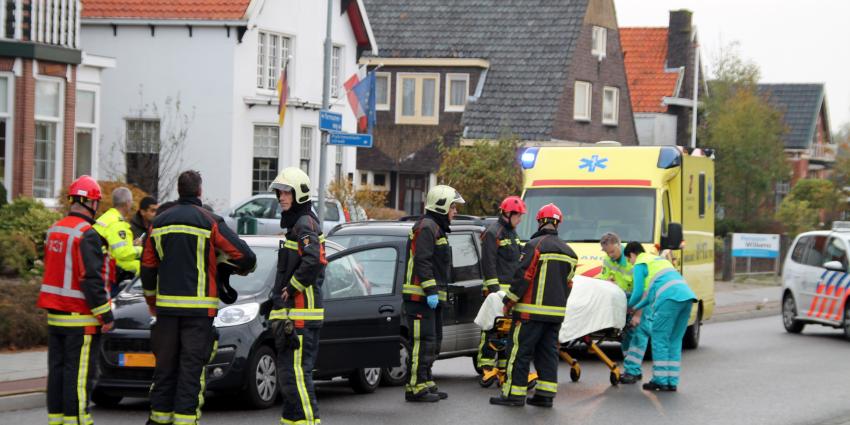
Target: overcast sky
(791,41)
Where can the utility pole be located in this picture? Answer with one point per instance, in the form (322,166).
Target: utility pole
(696,98)
(326,100)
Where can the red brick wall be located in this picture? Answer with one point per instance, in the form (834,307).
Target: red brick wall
(69,123)
(799,170)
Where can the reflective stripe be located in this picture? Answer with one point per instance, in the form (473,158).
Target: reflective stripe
(71,320)
(311,302)
(412,290)
(149,292)
(300,422)
(505,242)
(504,287)
(181,228)
(665,287)
(518,391)
(541,282)
(306,406)
(632,358)
(185,419)
(291,245)
(657,275)
(70,293)
(667,373)
(614,266)
(442,241)
(551,387)
(177,301)
(442,295)
(414,366)
(162,417)
(97,311)
(200,264)
(667,364)
(117,245)
(68,276)
(512,359)
(306,314)
(204,380)
(510,295)
(540,309)
(296,284)
(558,257)
(489,282)
(82,377)
(428,283)
(54,418)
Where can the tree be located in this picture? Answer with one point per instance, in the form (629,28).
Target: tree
(366,197)
(796,216)
(747,134)
(484,173)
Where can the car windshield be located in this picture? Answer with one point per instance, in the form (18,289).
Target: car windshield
(590,213)
(244,285)
(351,241)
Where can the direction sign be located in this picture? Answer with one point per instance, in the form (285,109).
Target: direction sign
(348,139)
(330,121)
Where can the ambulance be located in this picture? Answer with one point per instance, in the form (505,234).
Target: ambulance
(659,196)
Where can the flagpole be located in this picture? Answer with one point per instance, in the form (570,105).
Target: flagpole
(326,85)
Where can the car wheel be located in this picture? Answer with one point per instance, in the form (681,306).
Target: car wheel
(789,315)
(846,324)
(261,378)
(692,334)
(365,380)
(395,376)
(103,399)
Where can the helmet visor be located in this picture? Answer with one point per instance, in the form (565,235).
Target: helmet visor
(280,186)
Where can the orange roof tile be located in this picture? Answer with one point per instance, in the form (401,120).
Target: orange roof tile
(645,51)
(165,9)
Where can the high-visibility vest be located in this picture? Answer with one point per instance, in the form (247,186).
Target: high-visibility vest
(63,271)
(657,266)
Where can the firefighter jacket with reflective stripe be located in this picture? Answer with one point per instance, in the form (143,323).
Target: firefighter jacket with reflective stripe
(429,261)
(300,272)
(500,247)
(73,287)
(541,286)
(662,281)
(179,259)
(119,236)
(619,270)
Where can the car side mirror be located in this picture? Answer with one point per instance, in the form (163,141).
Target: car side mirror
(674,237)
(835,266)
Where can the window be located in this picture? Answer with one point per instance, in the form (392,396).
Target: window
(464,257)
(815,250)
(702,195)
(800,249)
(84,132)
(336,71)
(364,179)
(382,91)
(417,98)
(361,274)
(272,52)
(610,105)
(143,142)
(5,149)
(257,208)
(380,179)
(835,251)
(600,41)
(48,118)
(457,90)
(306,148)
(581,103)
(265,157)
(339,163)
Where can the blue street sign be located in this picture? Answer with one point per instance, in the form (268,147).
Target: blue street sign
(348,139)
(330,121)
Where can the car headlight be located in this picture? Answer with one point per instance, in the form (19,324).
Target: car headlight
(233,315)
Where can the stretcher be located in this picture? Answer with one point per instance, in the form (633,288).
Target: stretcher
(596,312)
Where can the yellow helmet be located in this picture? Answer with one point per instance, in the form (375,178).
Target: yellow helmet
(441,197)
(292,178)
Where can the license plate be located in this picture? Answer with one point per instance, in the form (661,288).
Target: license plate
(136,360)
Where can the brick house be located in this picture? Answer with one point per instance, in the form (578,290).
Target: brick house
(660,69)
(49,99)
(459,71)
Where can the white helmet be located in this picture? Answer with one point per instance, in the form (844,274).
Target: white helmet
(441,197)
(293,178)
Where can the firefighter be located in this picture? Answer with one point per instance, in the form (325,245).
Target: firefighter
(425,286)
(73,291)
(538,300)
(668,306)
(617,268)
(124,251)
(297,313)
(182,292)
(500,247)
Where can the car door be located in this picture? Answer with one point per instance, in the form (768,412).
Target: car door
(465,290)
(829,305)
(363,306)
(813,276)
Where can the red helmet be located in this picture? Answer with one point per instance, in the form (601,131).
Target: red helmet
(513,204)
(85,187)
(550,211)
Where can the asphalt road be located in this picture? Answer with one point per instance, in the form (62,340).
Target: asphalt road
(745,372)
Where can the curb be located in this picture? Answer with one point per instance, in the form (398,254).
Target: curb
(23,401)
(745,311)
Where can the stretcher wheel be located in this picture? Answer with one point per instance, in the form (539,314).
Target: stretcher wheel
(575,374)
(487,382)
(614,377)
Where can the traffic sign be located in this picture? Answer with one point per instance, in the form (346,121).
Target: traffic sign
(330,121)
(348,139)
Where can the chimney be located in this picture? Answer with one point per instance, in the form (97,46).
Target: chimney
(679,38)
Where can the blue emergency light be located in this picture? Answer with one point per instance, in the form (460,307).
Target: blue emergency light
(528,157)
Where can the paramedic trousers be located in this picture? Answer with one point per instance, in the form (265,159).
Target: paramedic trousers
(668,328)
(422,338)
(538,341)
(72,366)
(296,378)
(183,347)
(634,350)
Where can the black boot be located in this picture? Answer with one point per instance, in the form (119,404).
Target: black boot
(508,401)
(652,386)
(539,401)
(436,390)
(422,397)
(629,379)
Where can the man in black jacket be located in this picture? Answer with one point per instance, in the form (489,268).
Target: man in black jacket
(500,248)
(180,285)
(143,218)
(425,288)
(538,300)
(297,313)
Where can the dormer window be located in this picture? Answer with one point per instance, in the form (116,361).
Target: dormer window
(600,41)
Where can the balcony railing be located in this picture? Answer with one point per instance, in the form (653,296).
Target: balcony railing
(10,19)
(55,22)
(823,152)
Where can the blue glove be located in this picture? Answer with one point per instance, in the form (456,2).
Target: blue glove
(433,300)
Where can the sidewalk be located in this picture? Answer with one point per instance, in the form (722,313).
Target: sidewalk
(734,301)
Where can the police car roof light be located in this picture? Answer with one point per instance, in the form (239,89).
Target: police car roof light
(841,226)
(528,158)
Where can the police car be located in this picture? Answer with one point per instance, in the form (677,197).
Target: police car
(815,280)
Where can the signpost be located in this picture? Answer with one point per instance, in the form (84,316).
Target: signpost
(330,121)
(754,245)
(349,139)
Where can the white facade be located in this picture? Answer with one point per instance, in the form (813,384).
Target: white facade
(214,75)
(655,129)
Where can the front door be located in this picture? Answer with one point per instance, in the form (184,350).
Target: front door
(411,193)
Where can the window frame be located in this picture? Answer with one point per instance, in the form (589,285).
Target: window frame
(347,255)
(594,41)
(59,122)
(281,60)
(588,98)
(417,117)
(94,127)
(615,105)
(337,71)
(9,117)
(387,105)
(477,265)
(449,107)
(301,158)
(255,157)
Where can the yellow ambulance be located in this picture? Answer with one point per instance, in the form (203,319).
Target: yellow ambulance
(656,195)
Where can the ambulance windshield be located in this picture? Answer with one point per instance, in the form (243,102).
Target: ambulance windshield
(591,212)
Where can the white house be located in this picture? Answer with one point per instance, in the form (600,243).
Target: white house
(220,61)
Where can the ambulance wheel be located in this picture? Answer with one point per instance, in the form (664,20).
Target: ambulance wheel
(614,378)
(102,399)
(691,340)
(789,315)
(575,375)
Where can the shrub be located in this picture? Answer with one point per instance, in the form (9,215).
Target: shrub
(18,254)
(106,188)
(22,324)
(29,218)
(384,214)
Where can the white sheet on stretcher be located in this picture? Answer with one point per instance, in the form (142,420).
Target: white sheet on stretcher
(593,305)
(490,309)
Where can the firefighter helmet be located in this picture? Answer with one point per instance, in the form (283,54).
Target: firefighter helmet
(293,178)
(513,204)
(550,212)
(85,187)
(441,197)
